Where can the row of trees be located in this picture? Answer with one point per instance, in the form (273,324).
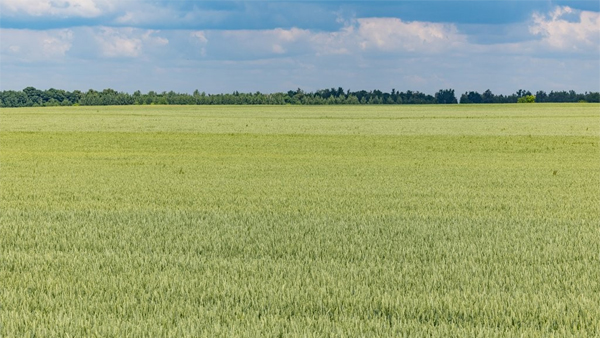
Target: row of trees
(526,96)
(32,97)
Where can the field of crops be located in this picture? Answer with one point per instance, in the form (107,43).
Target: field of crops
(298,221)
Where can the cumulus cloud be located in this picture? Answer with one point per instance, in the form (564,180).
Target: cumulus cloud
(335,43)
(393,34)
(30,46)
(566,35)
(563,29)
(81,42)
(118,43)
(126,42)
(366,35)
(388,35)
(58,8)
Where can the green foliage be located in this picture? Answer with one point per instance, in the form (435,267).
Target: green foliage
(526,99)
(376,221)
(31,97)
(445,96)
(540,96)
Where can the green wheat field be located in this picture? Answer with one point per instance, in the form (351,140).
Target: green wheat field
(298,221)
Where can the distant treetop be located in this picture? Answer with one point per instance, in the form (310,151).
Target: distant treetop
(32,97)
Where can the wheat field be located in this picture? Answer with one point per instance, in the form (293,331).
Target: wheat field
(298,221)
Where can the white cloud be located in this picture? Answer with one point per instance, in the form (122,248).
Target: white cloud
(146,13)
(118,42)
(30,46)
(289,35)
(254,44)
(200,35)
(126,42)
(138,13)
(561,34)
(57,44)
(363,53)
(335,43)
(59,8)
(264,39)
(368,35)
(87,43)
(149,38)
(128,18)
(389,35)
(392,34)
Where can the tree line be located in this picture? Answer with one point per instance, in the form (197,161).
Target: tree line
(526,96)
(32,97)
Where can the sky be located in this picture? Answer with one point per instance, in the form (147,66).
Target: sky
(276,46)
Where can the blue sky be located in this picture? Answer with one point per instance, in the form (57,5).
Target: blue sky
(269,46)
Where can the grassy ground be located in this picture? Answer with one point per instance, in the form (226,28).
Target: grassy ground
(417,221)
